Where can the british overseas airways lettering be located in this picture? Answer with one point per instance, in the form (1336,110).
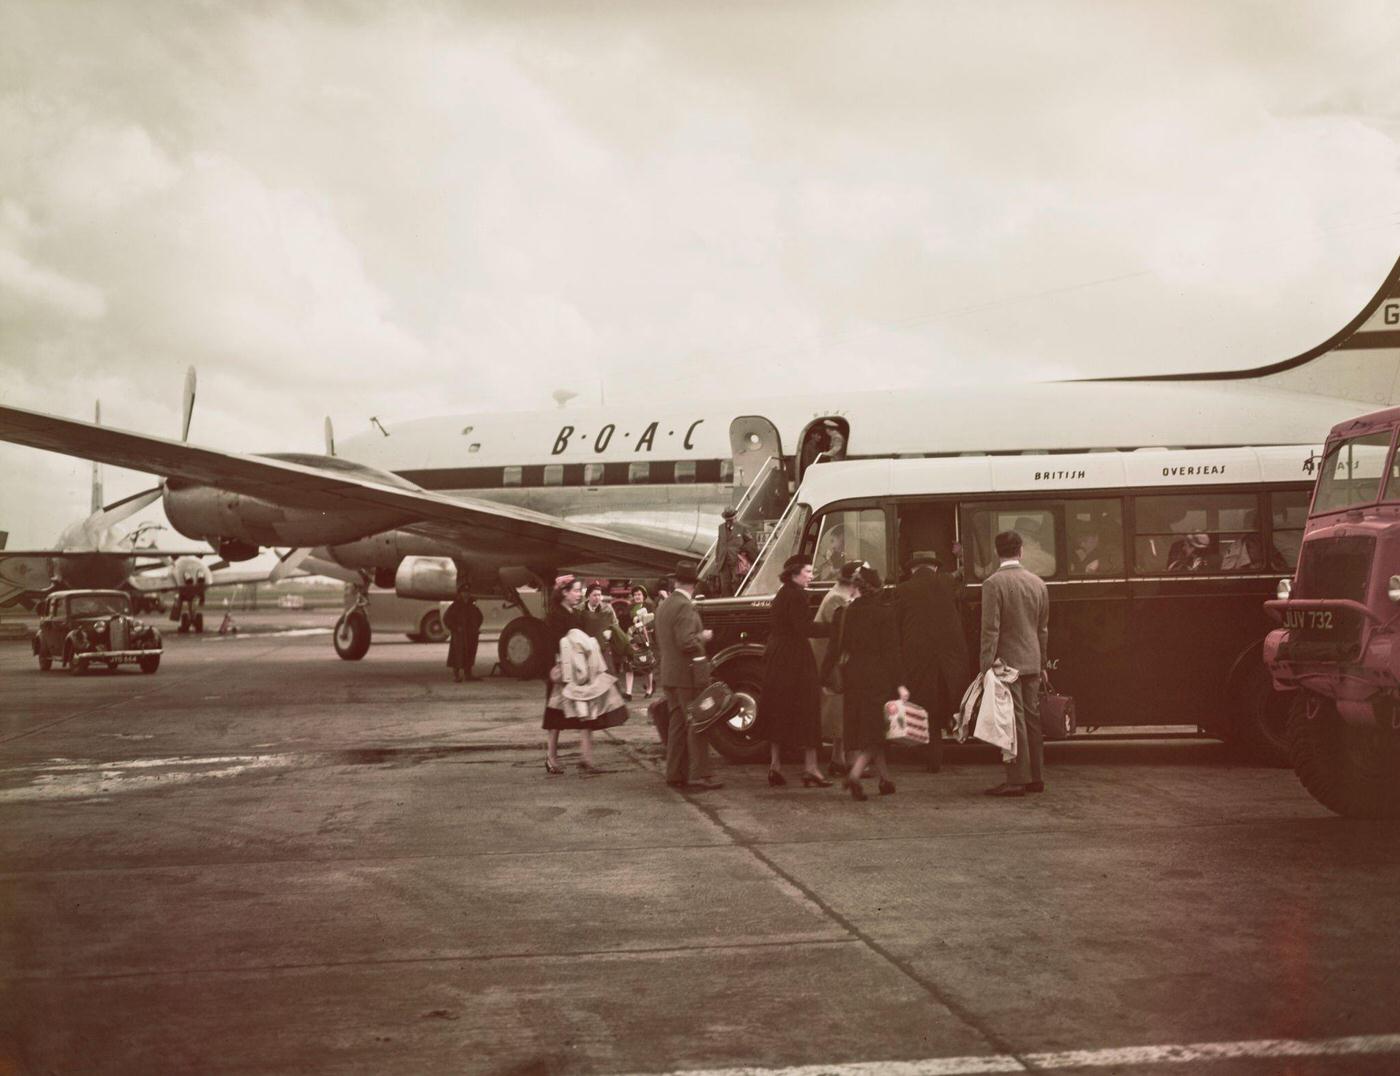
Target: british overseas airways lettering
(1191,472)
(644,442)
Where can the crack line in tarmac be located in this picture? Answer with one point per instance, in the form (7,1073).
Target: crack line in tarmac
(903,967)
(458,958)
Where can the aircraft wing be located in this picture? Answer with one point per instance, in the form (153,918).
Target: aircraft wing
(462,519)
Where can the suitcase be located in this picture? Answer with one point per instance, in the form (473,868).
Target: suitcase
(660,714)
(1057,718)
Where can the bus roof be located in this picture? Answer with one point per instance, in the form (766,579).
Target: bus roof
(827,483)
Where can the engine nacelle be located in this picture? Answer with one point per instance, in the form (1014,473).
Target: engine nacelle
(231,549)
(432,578)
(218,515)
(384,551)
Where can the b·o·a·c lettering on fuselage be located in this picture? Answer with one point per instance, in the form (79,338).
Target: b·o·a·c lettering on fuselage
(645,441)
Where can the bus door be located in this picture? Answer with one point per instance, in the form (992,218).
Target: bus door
(1197,563)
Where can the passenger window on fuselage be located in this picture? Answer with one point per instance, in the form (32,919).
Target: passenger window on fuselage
(639,473)
(553,474)
(1094,537)
(981,525)
(1198,532)
(685,471)
(853,534)
(592,474)
(1289,509)
(510,476)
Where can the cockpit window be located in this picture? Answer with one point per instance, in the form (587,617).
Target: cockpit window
(1351,472)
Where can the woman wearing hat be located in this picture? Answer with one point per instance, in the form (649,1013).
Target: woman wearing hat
(641,658)
(868,633)
(789,710)
(836,599)
(563,616)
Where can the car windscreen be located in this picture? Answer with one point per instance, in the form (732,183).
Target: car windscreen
(98,604)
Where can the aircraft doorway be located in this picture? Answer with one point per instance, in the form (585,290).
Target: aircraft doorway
(827,436)
(753,440)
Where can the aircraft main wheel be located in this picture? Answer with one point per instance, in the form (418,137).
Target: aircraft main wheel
(1353,770)
(184,623)
(431,629)
(150,664)
(1260,730)
(733,738)
(523,649)
(352,635)
(199,623)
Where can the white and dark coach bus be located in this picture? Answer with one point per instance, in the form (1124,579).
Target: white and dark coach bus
(1158,563)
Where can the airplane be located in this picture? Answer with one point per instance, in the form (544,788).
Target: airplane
(507,500)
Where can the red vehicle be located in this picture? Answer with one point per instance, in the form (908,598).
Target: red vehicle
(1340,613)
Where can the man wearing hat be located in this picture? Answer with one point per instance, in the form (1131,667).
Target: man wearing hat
(932,645)
(681,639)
(732,539)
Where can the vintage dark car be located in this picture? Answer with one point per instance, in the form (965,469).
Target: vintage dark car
(79,628)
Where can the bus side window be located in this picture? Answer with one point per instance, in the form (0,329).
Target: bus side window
(1207,532)
(1289,509)
(926,526)
(981,525)
(1094,531)
(852,534)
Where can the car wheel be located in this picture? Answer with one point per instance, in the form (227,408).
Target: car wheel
(431,629)
(150,664)
(733,738)
(45,658)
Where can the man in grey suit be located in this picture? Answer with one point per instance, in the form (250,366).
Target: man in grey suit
(681,639)
(732,540)
(1016,628)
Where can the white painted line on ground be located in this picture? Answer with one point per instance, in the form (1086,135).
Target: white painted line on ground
(1171,1054)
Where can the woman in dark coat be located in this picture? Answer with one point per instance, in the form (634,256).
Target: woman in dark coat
(789,710)
(868,630)
(463,621)
(562,616)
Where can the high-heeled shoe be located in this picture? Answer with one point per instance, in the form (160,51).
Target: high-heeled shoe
(814,780)
(552,768)
(853,787)
(775,778)
(886,787)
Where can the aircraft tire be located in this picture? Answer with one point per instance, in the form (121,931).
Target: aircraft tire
(1351,770)
(352,635)
(431,629)
(1262,717)
(523,649)
(184,623)
(731,738)
(198,623)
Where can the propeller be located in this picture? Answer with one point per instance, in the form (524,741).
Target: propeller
(288,564)
(119,510)
(96,504)
(188,410)
(330,437)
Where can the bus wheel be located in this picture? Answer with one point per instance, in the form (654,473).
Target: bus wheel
(1350,769)
(523,649)
(352,635)
(431,629)
(1260,730)
(733,738)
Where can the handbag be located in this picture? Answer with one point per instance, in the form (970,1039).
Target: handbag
(906,721)
(1057,717)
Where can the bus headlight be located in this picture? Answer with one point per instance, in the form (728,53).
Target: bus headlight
(1392,590)
(1285,588)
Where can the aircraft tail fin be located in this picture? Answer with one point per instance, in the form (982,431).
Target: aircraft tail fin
(1361,362)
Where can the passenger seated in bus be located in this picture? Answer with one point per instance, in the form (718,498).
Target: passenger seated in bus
(1241,553)
(1086,558)
(1193,553)
(831,553)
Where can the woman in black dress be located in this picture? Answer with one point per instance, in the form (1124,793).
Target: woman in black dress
(789,710)
(868,630)
(562,615)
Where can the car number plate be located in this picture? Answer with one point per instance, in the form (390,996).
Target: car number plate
(1311,620)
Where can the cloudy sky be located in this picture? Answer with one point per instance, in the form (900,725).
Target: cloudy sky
(403,209)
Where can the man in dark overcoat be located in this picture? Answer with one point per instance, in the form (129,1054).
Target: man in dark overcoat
(463,622)
(732,539)
(681,639)
(932,645)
